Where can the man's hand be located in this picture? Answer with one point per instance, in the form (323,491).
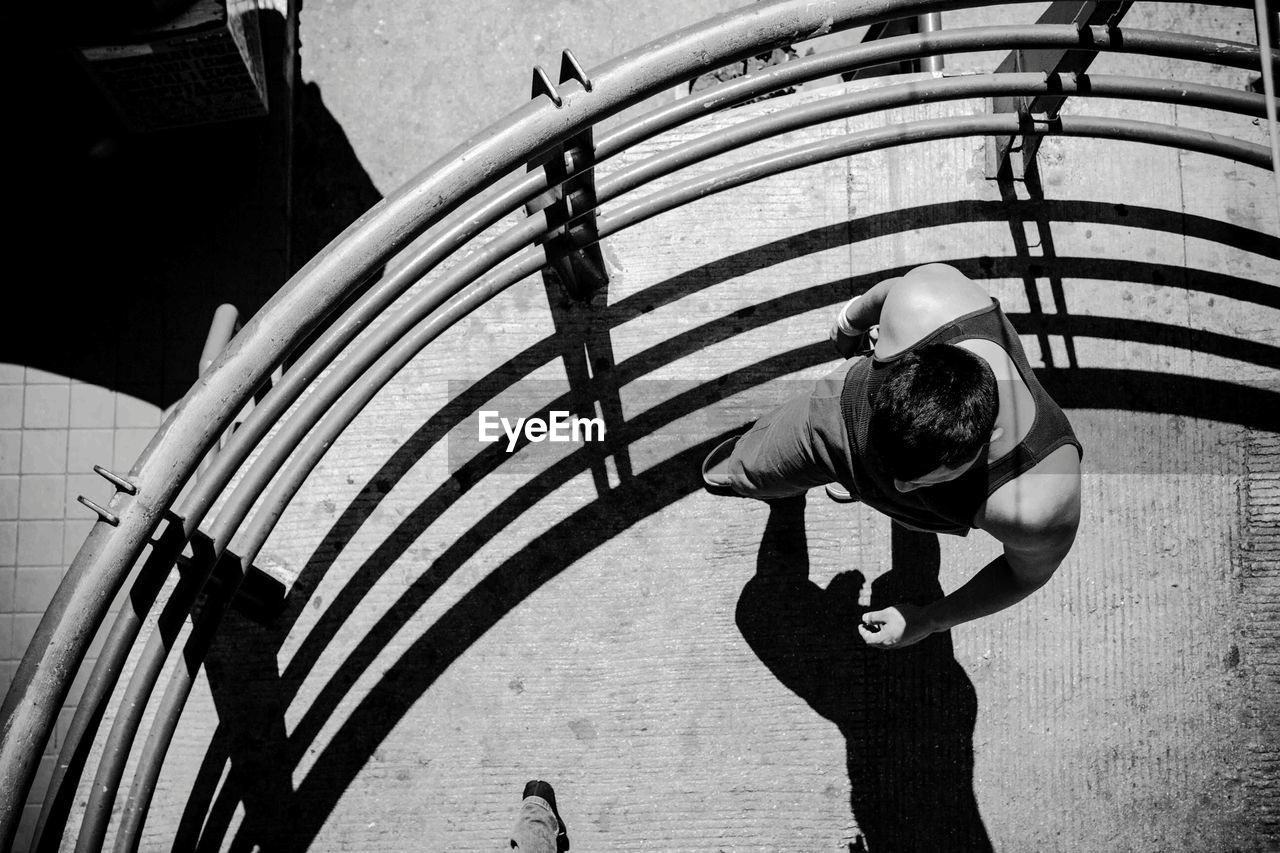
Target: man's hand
(850,345)
(899,626)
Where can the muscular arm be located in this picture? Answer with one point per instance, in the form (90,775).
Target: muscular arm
(904,309)
(1036,521)
(859,316)
(1006,580)
(863,311)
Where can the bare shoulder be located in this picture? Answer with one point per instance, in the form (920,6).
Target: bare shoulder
(1038,508)
(922,300)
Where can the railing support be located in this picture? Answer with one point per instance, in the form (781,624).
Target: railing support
(930,23)
(573,248)
(1055,62)
(1264,12)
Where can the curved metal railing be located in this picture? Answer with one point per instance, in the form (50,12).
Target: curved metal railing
(453,203)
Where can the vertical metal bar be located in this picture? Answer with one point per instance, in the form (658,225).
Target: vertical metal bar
(930,23)
(221,330)
(225,323)
(1055,62)
(1263,16)
(573,247)
(580,241)
(887,29)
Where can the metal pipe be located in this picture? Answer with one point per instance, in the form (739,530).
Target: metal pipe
(1263,19)
(924,131)
(1140,42)
(124,632)
(102,680)
(169,711)
(930,23)
(124,728)
(64,633)
(919,92)
(221,330)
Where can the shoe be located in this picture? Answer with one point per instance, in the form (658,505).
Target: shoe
(714,476)
(538,788)
(839,494)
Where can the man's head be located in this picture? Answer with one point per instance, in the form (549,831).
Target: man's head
(933,415)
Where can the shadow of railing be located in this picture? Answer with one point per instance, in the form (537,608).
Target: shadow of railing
(251,692)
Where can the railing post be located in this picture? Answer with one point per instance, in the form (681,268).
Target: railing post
(1263,13)
(1054,62)
(572,246)
(226,322)
(930,23)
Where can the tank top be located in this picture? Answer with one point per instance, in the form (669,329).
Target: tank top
(948,507)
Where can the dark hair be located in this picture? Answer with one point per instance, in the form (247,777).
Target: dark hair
(936,406)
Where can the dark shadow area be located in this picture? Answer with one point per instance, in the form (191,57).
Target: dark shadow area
(251,693)
(587,355)
(143,235)
(907,715)
(290,823)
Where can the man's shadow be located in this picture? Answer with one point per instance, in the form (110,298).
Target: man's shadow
(907,715)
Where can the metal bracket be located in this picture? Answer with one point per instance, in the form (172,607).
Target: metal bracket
(572,244)
(121,484)
(1055,63)
(542,85)
(898,27)
(107,516)
(571,69)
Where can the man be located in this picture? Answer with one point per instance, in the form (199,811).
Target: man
(943,428)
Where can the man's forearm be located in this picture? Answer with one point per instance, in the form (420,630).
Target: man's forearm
(863,311)
(852,332)
(991,590)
